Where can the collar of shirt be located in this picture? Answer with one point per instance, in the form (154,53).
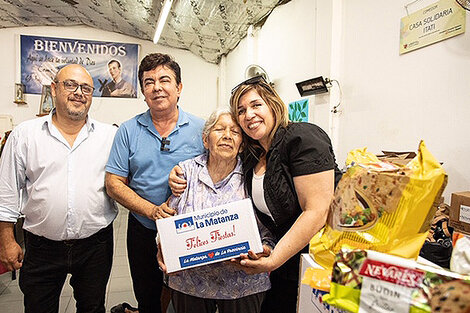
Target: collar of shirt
(54,131)
(146,120)
(90,123)
(278,136)
(205,177)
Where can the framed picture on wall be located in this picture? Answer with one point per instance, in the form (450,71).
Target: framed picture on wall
(19,94)
(47,102)
(114,65)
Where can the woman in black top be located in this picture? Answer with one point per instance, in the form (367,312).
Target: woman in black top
(290,173)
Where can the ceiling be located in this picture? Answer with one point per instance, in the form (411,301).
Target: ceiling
(209,29)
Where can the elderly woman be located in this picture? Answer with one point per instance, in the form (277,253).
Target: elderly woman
(215,178)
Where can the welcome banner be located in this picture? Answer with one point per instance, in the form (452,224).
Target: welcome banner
(42,57)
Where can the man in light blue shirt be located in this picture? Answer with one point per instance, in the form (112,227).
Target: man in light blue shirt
(58,162)
(144,151)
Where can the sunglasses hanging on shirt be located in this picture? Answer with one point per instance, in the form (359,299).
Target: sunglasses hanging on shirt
(165,142)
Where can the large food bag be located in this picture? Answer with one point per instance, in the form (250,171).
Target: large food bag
(369,281)
(381,206)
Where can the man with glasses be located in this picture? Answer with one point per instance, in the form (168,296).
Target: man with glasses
(144,151)
(58,163)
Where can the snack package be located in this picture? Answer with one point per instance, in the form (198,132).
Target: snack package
(317,278)
(369,281)
(381,206)
(460,260)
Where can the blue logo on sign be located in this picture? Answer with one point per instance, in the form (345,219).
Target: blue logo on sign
(183,225)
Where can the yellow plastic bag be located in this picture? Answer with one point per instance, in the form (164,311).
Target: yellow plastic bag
(381,206)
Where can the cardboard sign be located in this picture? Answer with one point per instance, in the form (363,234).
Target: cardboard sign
(459,214)
(438,21)
(208,236)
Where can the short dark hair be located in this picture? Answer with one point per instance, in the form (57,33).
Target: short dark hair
(153,60)
(115,61)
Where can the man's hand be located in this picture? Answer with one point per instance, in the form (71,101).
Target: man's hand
(176,182)
(161,263)
(163,211)
(11,255)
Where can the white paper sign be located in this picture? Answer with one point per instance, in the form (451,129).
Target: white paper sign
(387,283)
(464,215)
(384,297)
(208,236)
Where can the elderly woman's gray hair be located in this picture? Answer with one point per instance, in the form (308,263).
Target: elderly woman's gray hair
(212,120)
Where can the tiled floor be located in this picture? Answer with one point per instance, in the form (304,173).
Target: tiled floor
(119,286)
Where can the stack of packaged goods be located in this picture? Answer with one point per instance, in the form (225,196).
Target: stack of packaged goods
(379,207)
(370,281)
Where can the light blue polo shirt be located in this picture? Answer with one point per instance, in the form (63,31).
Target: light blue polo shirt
(136,154)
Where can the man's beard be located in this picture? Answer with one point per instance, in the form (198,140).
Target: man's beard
(76,115)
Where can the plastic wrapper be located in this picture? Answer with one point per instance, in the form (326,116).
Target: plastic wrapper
(460,260)
(381,206)
(317,278)
(368,281)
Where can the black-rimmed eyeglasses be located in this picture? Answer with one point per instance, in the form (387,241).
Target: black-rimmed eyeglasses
(250,81)
(72,86)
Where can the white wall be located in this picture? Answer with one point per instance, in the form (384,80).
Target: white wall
(287,49)
(198,76)
(393,101)
(390,101)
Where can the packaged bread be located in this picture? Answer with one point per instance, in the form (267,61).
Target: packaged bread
(369,281)
(381,206)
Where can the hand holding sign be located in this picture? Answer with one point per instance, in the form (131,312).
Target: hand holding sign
(255,263)
(210,235)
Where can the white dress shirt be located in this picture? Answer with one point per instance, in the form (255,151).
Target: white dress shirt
(64,196)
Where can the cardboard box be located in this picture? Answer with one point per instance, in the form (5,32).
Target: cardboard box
(208,236)
(310,299)
(400,158)
(459,215)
